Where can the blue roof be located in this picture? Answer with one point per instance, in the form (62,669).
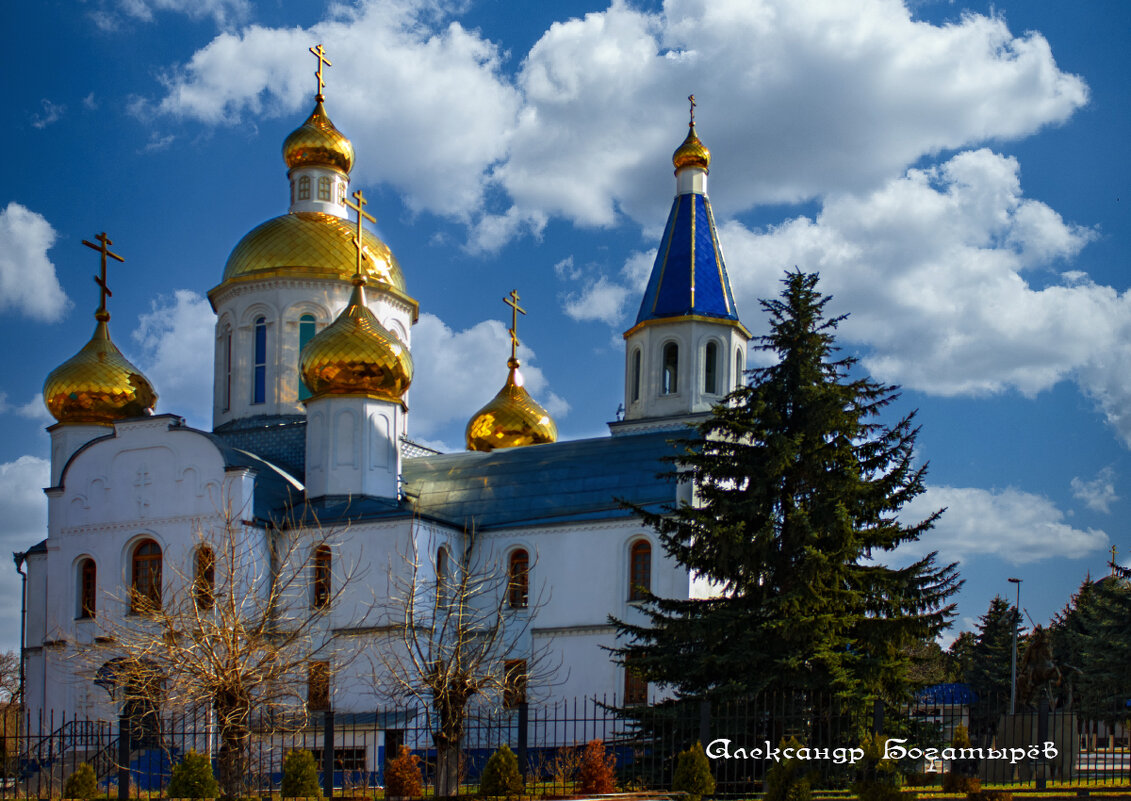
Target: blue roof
(947,695)
(558,482)
(689,276)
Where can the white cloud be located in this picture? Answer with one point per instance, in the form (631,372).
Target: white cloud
(177,344)
(1097,494)
(475,361)
(23,508)
(601,300)
(34,409)
(27,277)
(52,112)
(224,13)
(1018,527)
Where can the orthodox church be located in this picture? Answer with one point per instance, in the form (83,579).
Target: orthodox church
(311,427)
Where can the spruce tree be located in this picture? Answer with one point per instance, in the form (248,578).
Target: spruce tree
(991,665)
(798,486)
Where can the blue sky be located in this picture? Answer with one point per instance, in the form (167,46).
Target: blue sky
(956,172)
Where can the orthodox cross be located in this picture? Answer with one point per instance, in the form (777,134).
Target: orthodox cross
(358,242)
(1113,560)
(103,247)
(321,54)
(512,301)
(691,99)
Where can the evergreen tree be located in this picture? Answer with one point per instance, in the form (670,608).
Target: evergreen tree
(990,665)
(1092,646)
(798,486)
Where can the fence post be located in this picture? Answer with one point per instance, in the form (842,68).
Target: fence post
(523,719)
(124,757)
(878,716)
(328,754)
(1042,738)
(704,721)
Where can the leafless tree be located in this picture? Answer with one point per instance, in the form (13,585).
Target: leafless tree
(9,677)
(240,629)
(460,619)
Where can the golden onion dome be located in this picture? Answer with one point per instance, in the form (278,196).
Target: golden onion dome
(98,384)
(692,153)
(311,244)
(318,143)
(512,419)
(356,355)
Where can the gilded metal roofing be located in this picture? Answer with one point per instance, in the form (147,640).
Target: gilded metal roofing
(511,419)
(317,142)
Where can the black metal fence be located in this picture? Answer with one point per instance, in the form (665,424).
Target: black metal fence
(744,739)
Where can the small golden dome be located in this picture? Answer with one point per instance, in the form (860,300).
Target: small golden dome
(317,142)
(98,384)
(356,355)
(310,244)
(692,153)
(512,419)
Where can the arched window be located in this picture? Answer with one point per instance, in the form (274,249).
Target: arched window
(305,334)
(324,188)
(226,377)
(636,375)
(259,372)
(711,369)
(669,378)
(441,575)
(518,579)
(320,597)
(304,188)
(341,193)
(635,687)
(145,577)
(204,578)
(639,570)
(738,377)
(88,584)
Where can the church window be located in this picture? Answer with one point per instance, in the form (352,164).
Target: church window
(441,576)
(636,375)
(635,687)
(324,188)
(738,377)
(320,597)
(710,369)
(518,579)
(226,378)
(88,583)
(305,334)
(514,683)
(639,570)
(318,686)
(259,377)
(304,188)
(204,578)
(145,577)
(341,193)
(669,377)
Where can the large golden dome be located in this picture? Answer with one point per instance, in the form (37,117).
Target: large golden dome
(692,153)
(310,244)
(98,384)
(356,355)
(511,419)
(318,143)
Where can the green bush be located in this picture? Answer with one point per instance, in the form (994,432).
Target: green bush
(300,776)
(693,773)
(402,776)
(501,776)
(81,784)
(193,778)
(788,780)
(880,779)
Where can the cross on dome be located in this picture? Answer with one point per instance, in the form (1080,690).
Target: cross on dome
(512,301)
(321,56)
(358,242)
(691,99)
(103,247)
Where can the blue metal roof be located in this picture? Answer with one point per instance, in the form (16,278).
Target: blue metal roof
(947,695)
(689,276)
(558,482)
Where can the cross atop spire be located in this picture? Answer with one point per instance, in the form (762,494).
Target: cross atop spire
(358,242)
(321,55)
(103,247)
(512,301)
(691,99)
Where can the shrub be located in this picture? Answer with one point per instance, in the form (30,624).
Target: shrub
(693,773)
(402,775)
(788,780)
(300,776)
(880,780)
(596,773)
(193,778)
(81,784)
(990,795)
(501,775)
(953,782)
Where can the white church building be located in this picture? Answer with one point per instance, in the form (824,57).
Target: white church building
(312,419)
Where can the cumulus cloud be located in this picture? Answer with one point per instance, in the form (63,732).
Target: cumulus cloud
(28,283)
(474,360)
(23,508)
(52,112)
(177,346)
(1097,494)
(1018,527)
(224,13)
(601,300)
(34,409)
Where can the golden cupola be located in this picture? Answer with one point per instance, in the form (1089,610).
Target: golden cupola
(98,385)
(317,143)
(692,152)
(511,419)
(356,355)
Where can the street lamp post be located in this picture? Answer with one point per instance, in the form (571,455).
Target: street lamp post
(1013,661)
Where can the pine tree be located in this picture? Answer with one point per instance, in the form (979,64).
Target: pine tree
(991,664)
(798,485)
(1092,647)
